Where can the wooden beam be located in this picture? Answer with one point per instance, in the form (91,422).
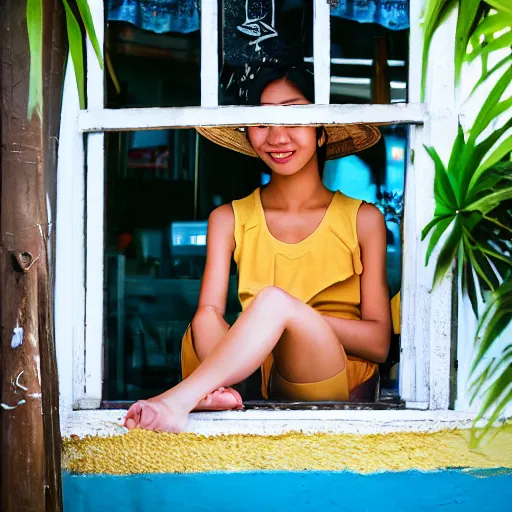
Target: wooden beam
(30,440)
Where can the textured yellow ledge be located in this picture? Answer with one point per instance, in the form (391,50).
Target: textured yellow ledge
(142,451)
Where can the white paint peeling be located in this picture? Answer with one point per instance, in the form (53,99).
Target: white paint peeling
(37,362)
(110,422)
(21,386)
(11,407)
(69,302)
(17,337)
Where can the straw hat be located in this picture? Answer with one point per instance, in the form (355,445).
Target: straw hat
(342,139)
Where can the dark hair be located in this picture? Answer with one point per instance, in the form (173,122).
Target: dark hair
(303,79)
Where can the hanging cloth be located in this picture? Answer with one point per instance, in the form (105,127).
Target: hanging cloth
(156,15)
(392,14)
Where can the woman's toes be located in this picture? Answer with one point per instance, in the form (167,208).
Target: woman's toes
(222,399)
(130,423)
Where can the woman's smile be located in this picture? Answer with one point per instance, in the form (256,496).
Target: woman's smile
(281,157)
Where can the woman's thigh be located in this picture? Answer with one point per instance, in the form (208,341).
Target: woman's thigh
(308,350)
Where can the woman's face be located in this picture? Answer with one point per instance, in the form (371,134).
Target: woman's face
(285,149)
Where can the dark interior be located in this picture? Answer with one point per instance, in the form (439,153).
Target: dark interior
(162,185)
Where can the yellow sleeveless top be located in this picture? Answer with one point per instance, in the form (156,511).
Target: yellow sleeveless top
(323,270)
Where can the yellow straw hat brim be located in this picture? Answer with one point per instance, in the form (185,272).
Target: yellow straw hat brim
(342,139)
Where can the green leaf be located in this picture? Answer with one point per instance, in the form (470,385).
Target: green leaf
(495,319)
(488,251)
(488,181)
(491,277)
(488,73)
(503,41)
(473,157)
(432,223)
(446,201)
(455,162)
(471,220)
(436,235)
(478,268)
(498,223)
(489,371)
(491,24)
(76,50)
(490,201)
(35,41)
(449,251)
(85,13)
(494,394)
(503,149)
(466,17)
(488,110)
(433,17)
(458,147)
(501,5)
(468,285)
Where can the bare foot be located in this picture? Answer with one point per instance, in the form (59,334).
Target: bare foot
(222,399)
(156,414)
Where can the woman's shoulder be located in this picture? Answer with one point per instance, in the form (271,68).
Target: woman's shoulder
(370,221)
(221,215)
(247,201)
(363,217)
(236,212)
(245,207)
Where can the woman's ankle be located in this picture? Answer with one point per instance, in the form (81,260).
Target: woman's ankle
(178,400)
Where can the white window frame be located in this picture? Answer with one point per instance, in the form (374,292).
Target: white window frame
(426,338)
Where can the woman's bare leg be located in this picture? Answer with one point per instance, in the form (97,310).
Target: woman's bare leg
(308,351)
(208,327)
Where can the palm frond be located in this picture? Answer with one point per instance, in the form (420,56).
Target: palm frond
(35,41)
(34,12)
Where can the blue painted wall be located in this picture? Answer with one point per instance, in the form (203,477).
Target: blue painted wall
(408,491)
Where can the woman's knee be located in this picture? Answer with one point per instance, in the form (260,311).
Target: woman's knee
(275,297)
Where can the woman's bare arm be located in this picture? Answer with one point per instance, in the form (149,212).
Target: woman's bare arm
(208,324)
(369,337)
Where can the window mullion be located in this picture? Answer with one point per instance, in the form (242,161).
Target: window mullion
(322,51)
(209,54)
(427,313)
(94,224)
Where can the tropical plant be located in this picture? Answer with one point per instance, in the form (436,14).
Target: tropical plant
(75,38)
(473,197)
(391,204)
(480,31)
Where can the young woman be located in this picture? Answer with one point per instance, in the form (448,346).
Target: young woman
(312,278)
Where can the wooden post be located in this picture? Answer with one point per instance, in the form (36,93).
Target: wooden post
(29,419)
(381,92)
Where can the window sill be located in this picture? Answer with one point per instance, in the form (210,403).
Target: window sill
(274,422)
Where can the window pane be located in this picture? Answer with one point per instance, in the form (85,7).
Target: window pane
(158,199)
(369,51)
(160,189)
(152,53)
(377,175)
(258,33)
